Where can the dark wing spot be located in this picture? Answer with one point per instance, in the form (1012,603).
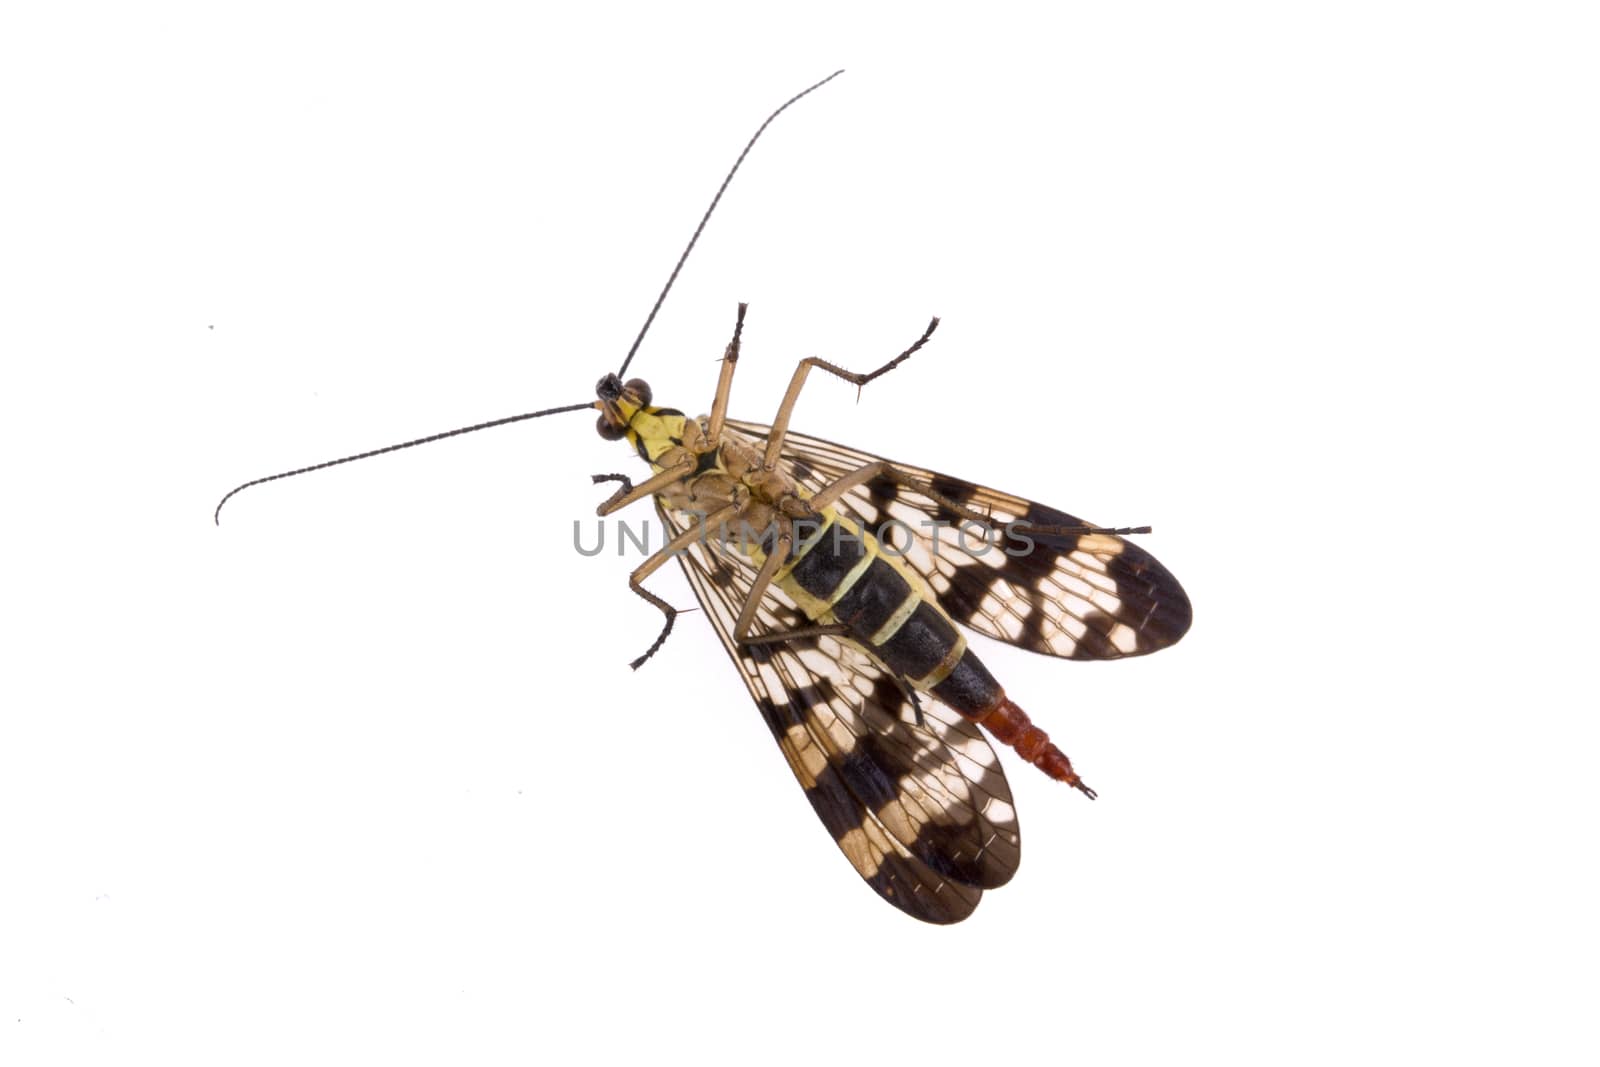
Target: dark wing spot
(954,488)
(1095,644)
(887,693)
(882,491)
(721,575)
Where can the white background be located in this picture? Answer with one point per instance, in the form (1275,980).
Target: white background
(362,776)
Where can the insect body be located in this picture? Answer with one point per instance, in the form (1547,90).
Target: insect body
(836,634)
(824,574)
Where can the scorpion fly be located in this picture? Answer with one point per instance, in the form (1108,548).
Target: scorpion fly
(823,572)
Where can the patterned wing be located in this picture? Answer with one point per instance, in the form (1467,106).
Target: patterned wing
(921,810)
(1079,596)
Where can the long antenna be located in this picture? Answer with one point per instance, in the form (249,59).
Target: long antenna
(707,216)
(216,516)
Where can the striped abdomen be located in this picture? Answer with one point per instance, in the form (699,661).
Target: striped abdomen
(841,575)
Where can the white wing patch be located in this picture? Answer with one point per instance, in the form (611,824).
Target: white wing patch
(1075,595)
(920,809)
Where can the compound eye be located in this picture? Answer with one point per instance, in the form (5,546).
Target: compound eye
(641,389)
(609,430)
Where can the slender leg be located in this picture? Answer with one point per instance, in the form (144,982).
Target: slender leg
(630,492)
(719,406)
(775,558)
(758,590)
(780,424)
(883,468)
(791,635)
(653,564)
